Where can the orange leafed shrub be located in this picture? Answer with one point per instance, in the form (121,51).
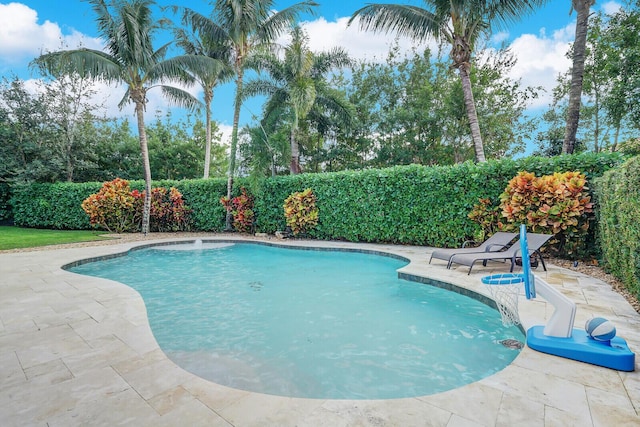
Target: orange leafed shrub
(556,204)
(114,207)
(301,211)
(118,209)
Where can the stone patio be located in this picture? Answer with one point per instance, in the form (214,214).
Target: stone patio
(77,350)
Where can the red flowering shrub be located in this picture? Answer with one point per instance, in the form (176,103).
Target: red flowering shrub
(241,208)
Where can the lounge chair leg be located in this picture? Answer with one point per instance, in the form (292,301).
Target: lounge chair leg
(544,266)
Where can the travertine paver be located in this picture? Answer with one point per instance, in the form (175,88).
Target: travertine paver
(77,350)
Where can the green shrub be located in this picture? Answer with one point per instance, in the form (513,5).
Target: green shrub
(55,206)
(5,206)
(618,198)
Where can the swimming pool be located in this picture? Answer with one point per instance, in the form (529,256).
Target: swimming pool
(321,324)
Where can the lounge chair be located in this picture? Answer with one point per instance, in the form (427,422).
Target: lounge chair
(535,241)
(497,242)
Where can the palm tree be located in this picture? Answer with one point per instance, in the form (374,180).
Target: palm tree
(458,22)
(198,42)
(297,81)
(577,73)
(244,25)
(129,58)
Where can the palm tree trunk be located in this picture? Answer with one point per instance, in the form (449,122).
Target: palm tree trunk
(144,150)
(472,114)
(577,74)
(234,143)
(294,167)
(208,96)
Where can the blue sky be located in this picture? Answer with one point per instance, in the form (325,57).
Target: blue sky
(27,27)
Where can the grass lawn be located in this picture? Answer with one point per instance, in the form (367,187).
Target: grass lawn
(16,237)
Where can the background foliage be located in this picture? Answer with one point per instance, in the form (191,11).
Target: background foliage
(403,204)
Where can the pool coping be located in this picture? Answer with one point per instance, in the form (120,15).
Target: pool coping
(78,350)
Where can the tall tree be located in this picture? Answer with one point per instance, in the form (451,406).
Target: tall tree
(577,73)
(197,41)
(621,40)
(129,58)
(297,83)
(458,22)
(244,25)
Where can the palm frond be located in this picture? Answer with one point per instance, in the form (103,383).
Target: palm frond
(257,87)
(282,20)
(405,20)
(504,12)
(326,61)
(94,64)
(180,97)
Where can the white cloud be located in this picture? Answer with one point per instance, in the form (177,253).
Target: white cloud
(500,37)
(325,35)
(611,7)
(540,59)
(23,37)
(226,133)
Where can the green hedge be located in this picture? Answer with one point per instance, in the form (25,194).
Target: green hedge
(410,204)
(404,204)
(55,206)
(618,197)
(203,197)
(5,207)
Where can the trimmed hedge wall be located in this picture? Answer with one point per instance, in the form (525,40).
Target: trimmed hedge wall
(5,208)
(618,197)
(404,204)
(57,206)
(410,204)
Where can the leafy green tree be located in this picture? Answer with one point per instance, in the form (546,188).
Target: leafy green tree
(177,147)
(21,147)
(460,23)
(71,117)
(266,151)
(116,153)
(410,109)
(196,40)
(621,44)
(609,86)
(296,83)
(243,26)
(577,72)
(129,58)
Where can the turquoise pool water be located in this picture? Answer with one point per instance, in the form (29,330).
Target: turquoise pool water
(317,324)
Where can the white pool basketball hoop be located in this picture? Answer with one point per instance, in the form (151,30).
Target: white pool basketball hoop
(504,289)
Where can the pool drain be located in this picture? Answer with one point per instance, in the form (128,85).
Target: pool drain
(256,286)
(512,344)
